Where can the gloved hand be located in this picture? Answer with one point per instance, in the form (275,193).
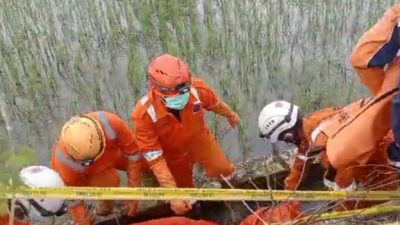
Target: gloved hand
(180,207)
(234,119)
(130,208)
(224,110)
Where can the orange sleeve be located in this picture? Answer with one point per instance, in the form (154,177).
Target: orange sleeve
(125,137)
(210,99)
(376,48)
(297,174)
(145,132)
(68,175)
(299,169)
(207,95)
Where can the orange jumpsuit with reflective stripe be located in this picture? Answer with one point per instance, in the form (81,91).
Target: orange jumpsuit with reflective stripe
(374,58)
(183,141)
(120,153)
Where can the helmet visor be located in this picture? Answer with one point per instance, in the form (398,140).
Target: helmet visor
(167,91)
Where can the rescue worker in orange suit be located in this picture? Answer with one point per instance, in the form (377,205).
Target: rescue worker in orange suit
(90,151)
(375,58)
(35,211)
(283,121)
(170,125)
(376,50)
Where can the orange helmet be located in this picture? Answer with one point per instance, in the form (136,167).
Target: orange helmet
(169,75)
(83,139)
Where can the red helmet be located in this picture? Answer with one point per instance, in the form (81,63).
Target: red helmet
(169,75)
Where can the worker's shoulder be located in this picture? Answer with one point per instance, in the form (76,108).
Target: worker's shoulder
(141,106)
(106,117)
(102,113)
(203,89)
(324,113)
(200,83)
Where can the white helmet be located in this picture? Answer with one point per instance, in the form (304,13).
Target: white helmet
(40,210)
(277,117)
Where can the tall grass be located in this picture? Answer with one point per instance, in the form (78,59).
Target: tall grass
(60,58)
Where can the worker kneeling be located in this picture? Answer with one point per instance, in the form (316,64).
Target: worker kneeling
(283,121)
(36,211)
(90,151)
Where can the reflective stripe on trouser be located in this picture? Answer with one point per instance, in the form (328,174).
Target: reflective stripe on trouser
(335,186)
(393,163)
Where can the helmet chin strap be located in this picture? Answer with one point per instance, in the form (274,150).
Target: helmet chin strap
(20,211)
(46,213)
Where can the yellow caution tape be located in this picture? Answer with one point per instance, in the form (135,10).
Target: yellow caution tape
(125,193)
(376,210)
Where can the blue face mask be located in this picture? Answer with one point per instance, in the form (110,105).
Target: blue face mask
(177,102)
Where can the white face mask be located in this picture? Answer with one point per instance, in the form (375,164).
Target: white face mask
(177,102)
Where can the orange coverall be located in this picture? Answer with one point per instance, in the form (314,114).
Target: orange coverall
(290,210)
(183,141)
(374,59)
(317,127)
(120,153)
(4,221)
(176,221)
(375,174)
(301,165)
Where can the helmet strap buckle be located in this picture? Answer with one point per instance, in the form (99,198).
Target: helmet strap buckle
(87,162)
